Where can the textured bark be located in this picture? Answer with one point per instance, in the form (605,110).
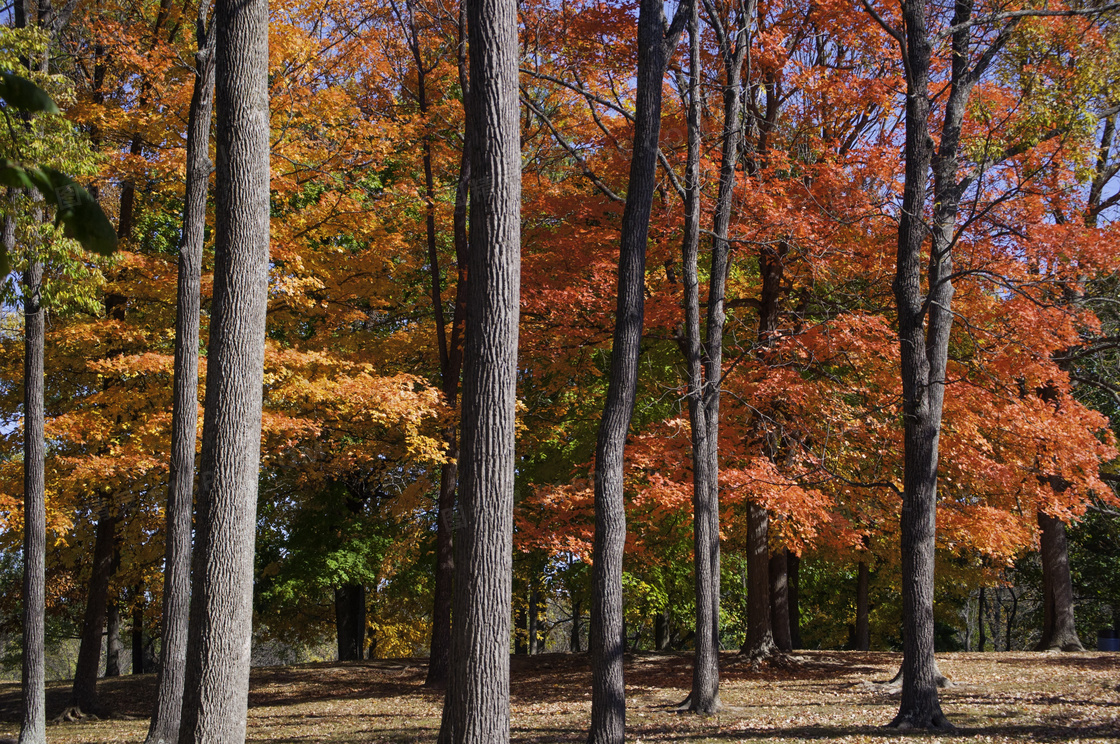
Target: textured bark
(704,696)
(862,640)
(608,694)
(924,322)
(779,601)
(114,647)
(33,690)
(83,694)
(661,630)
(1059,631)
(220,633)
(476,707)
(922,391)
(451,360)
(793,584)
(759,642)
(164,726)
(350,621)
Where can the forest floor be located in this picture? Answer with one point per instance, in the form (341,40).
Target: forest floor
(822,696)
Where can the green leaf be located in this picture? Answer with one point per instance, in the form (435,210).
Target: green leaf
(79,213)
(24,95)
(15,175)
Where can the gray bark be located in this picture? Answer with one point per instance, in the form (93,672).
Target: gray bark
(924,323)
(793,582)
(779,601)
(476,707)
(451,365)
(219,637)
(114,647)
(704,697)
(138,630)
(33,689)
(608,694)
(1059,631)
(84,692)
(164,726)
(759,642)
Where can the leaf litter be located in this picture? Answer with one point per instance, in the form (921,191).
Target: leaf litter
(815,696)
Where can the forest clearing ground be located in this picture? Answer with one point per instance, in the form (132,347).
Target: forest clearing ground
(997,697)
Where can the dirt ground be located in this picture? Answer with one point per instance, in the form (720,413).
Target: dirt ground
(820,696)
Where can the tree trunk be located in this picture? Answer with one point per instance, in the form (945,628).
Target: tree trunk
(114,647)
(779,602)
(608,694)
(981,640)
(662,631)
(350,621)
(166,715)
(577,612)
(33,689)
(1059,631)
(476,707)
(221,612)
(451,363)
(127,208)
(760,636)
(521,633)
(863,609)
(1011,619)
(704,696)
(84,692)
(138,629)
(535,644)
(793,582)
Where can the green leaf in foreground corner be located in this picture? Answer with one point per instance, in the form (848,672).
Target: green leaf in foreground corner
(80,214)
(24,95)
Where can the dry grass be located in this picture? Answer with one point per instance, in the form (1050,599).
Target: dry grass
(1016,697)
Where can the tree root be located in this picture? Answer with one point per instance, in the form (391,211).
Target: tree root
(74,714)
(936,722)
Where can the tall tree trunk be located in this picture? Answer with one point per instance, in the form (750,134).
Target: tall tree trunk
(982,639)
(863,609)
(33,689)
(521,632)
(114,647)
(166,715)
(1011,619)
(759,642)
(350,621)
(83,694)
(704,696)
(923,368)
(220,634)
(1059,631)
(577,612)
(451,364)
(476,707)
(138,629)
(779,602)
(793,582)
(608,693)
(127,209)
(535,644)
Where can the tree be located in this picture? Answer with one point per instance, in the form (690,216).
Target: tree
(219,636)
(608,695)
(167,713)
(476,707)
